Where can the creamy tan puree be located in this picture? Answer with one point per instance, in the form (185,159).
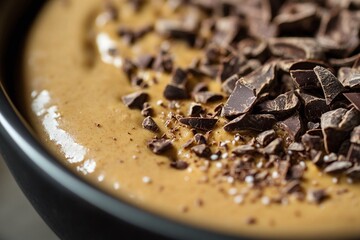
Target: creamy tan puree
(236,116)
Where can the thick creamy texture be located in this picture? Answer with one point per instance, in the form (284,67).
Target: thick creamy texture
(73,91)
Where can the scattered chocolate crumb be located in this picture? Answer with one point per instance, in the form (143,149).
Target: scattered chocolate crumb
(159,145)
(179,164)
(316,196)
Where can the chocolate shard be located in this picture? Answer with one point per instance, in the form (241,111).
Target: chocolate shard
(338,166)
(202,151)
(266,137)
(229,84)
(244,149)
(353,154)
(258,122)
(355,135)
(240,101)
(150,124)
(129,68)
(159,145)
(199,123)
(175,92)
(314,107)
(261,79)
(305,79)
(354,172)
(163,62)
(229,67)
(274,147)
(295,172)
(292,126)
(179,164)
(226,30)
(252,48)
(195,110)
(316,196)
(354,98)
(296,147)
(135,100)
(292,186)
(295,48)
(350,120)
(282,105)
(207,97)
(175,29)
(329,83)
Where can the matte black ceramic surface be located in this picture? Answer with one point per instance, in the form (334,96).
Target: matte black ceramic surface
(71,207)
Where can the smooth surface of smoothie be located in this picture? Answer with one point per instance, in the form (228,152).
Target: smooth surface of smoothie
(74,85)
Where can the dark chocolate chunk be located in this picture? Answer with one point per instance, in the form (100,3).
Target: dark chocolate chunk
(353,154)
(354,98)
(336,126)
(199,123)
(137,81)
(329,83)
(266,137)
(175,92)
(338,166)
(333,136)
(317,196)
(226,30)
(295,172)
(163,63)
(135,100)
(229,84)
(179,164)
(274,147)
(292,126)
(251,47)
(305,79)
(195,110)
(312,142)
(150,124)
(295,48)
(258,122)
(202,151)
(213,54)
(240,101)
(292,186)
(314,107)
(282,105)
(244,149)
(175,29)
(159,145)
(207,97)
(349,77)
(262,78)
(296,147)
(229,67)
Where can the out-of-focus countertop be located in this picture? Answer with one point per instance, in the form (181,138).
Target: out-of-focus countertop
(18,219)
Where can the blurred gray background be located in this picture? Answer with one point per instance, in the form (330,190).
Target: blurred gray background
(18,220)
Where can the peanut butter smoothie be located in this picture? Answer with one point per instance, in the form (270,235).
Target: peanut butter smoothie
(241,117)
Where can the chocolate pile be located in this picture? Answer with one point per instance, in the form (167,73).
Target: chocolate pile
(289,73)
